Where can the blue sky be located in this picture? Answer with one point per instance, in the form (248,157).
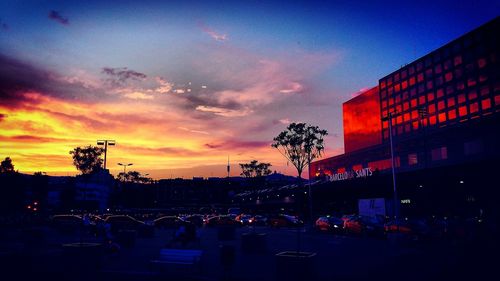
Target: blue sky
(250,66)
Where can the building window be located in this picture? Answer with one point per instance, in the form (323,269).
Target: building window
(447,65)
(474,107)
(442,117)
(485,104)
(406,116)
(406,106)
(407,128)
(481,62)
(413,92)
(396,77)
(412,81)
(472,94)
(473,147)
(420,77)
(441,105)
(432,108)
(412,159)
(440,153)
(439,81)
(471,82)
(412,69)
(461,98)
(421,100)
(451,102)
(439,93)
(438,69)
(448,76)
(430,96)
(421,88)
(452,114)
(462,111)
(485,91)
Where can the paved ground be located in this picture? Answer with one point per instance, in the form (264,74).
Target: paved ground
(38,254)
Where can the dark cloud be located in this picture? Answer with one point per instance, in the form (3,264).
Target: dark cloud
(159,151)
(34,139)
(237,144)
(55,15)
(195,99)
(18,77)
(119,75)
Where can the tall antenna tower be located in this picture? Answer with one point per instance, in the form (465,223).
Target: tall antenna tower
(228,167)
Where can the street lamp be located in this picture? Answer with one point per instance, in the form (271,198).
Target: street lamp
(106,143)
(125,166)
(396,203)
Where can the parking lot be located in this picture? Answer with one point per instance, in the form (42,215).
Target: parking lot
(37,252)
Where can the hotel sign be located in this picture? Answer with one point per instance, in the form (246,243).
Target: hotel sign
(347,175)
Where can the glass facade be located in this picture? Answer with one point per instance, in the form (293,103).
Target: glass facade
(361,121)
(434,101)
(453,84)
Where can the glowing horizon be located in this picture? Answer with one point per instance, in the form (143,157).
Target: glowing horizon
(182,86)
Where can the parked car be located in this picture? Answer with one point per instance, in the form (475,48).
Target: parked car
(66,220)
(120,222)
(197,220)
(353,224)
(417,228)
(223,220)
(372,226)
(330,224)
(244,219)
(285,221)
(168,222)
(259,220)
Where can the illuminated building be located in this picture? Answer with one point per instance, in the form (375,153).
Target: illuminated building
(445,125)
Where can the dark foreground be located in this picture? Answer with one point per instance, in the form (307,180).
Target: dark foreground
(38,254)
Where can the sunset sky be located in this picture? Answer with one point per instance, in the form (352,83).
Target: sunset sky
(182,85)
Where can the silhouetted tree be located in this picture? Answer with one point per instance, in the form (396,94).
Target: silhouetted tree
(300,143)
(14,186)
(133,177)
(6,166)
(87,159)
(255,169)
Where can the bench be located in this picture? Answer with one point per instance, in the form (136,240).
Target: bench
(180,261)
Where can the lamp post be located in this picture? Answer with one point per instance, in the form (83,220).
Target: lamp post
(309,191)
(106,143)
(396,203)
(125,166)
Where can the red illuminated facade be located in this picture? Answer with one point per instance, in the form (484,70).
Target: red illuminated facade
(444,105)
(362,125)
(446,132)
